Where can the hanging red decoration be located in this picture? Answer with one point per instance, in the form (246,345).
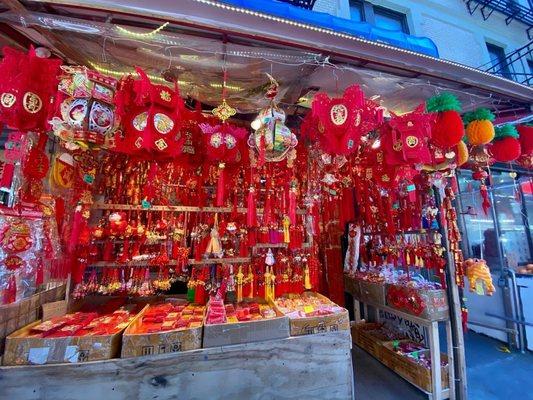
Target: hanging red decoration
(506,146)
(448,128)
(410,135)
(151,118)
(526,138)
(27,84)
(343,120)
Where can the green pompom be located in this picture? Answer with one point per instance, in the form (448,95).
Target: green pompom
(443,102)
(478,115)
(506,131)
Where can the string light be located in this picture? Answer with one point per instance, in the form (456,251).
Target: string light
(142,35)
(230,87)
(117,73)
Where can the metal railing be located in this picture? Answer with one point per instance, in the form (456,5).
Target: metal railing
(507,66)
(510,8)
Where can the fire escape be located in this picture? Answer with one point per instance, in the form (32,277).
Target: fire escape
(507,66)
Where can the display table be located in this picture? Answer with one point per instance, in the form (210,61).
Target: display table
(315,366)
(431,326)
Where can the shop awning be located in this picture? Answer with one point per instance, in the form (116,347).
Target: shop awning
(305,57)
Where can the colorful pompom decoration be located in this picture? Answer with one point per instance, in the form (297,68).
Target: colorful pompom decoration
(506,146)
(448,129)
(526,138)
(479,128)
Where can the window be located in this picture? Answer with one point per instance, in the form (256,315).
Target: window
(356,11)
(391,20)
(379,16)
(498,60)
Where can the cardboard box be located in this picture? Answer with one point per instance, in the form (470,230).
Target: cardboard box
(246,332)
(412,371)
(23,350)
(319,324)
(143,344)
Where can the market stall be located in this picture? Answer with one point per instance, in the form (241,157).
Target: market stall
(208,208)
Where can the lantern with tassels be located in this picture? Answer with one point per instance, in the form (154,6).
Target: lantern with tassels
(448,128)
(272,140)
(27,85)
(505,146)
(86,111)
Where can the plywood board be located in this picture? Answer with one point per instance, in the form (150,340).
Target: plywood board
(305,367)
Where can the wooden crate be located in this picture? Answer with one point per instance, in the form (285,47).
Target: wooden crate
(246,332)
(142,344)
(23,350)
(362,338)
(410,370)
(15,316)
(373,293)
(351,285)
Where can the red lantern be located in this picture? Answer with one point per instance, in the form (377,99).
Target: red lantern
(448,128)
(506,149)
(27,85)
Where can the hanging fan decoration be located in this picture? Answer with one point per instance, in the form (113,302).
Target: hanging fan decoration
(479,127)
(505,147)
(448,128)
(223,141)
(151,117)
(461,151)
(272,140)
(343,120)
(27,84)
(86,111)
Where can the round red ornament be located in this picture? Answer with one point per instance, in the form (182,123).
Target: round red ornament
(13,263)
(506,149)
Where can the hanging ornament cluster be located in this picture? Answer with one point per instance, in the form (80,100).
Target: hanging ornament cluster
(27,85)
(86,111)
(506,146)
(342,121)
(151,118)
(272,140)
(448,129)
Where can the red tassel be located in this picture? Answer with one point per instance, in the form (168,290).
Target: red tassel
(262,150)
(220,185)
(251,214)
(10,293)
(485,196)
(39,274)
(292,205)
(267,212)
(75,231)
